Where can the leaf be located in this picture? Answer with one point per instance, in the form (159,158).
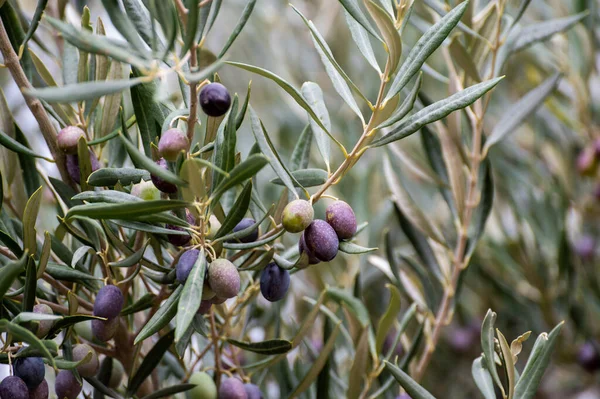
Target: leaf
(130,260)
(140,159)
(516,346)
(426,45)
(124,25)
(536,364)
(30,215)
(354,304)
(44,255)
(359,365)
(405,107)
(191,295)
(437,111)
(487,344)
(516,114)
(269,347)
(78,92)
(28,165)
(301,154)
(111,176)
(314,96)
(483,379)
(193,12)
(463,59)
(140,17)
(242,113)
(237,212)
(169,391)
(152,359)
(9,273)
(24,335)
(238,27)
(390,35)
(388,318)
(101,388)
(125,210)
(84,162)
(354,249)
(411,386)
(66,273)
(306,178)
(253,244)
(242,172)
(454,166)
(35,21)
(234,236)
(15,146)
(112,103)
(352,8)
(340,80)
(522,7)
(509,366)
(543,30)
(161,318)
(225,144)
(205,73)
(141,304)
(30,287)
(483,210)
(361,38)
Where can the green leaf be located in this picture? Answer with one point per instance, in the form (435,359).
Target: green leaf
(483,210)
(152,359)
(390,35)
(22,334)
(9,273)
(44,255)
(237,212)
(516,114)
(148,112)
(193,12)
(253,244)
(189,303)
(483,379)
(124,25)
(244,232)
(239,26)
(141,304)
(355,249)
(464,59)
(35,21)
(161,318)
(140,17)
(314,96)
(487,344)
(301,154)
(359,365)
(15,146)
(111,176)
(112,103)
(306,178)
(205,73)
(361,38)
(508,363)
(28,165)
(110,196)
(62,272)
(224,155)
(405,107)
(30,287)
(411,386)
(169,391)
(242,172)
(102,389)
(388,318)
(130,210)
(26,316)
(437,111)
(242,113)
(537,363)
(78,92)
(140,160)
(426,45)
(522,7)
(352,8)
(269,347)
(354,304)
(30,215)
(130,260)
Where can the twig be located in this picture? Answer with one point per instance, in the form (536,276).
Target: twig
(215,339)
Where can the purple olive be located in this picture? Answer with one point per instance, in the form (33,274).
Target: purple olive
(224,278)
(72,162)
(40,392)
(321,240)
(253,391)
(104,330)
(585,248)
(215,99)
(274,282)
(172,142)
(588,357)
(232,388)
(205,306)
(44,326)
(312,259)
(185,264)
(13,387)
(31,370)
(242,225)
(341,217)
(68,138)
(297,216)
(66,385)
(109,302)
(164,186)
(89,368)
(177,239)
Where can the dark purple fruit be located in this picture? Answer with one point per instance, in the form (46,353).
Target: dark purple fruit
(89,368)
(31,370)
(205,306)
(253,391)
(312,259)
(274,282)
(72,162)
(109,302)
(172,143)
(13,387)
(242,225)
(403,396)
(185,264)
(588,357)
(321,240)
(105,330)
(66,385)
(216,300)
(68,137)
(177,239)
(341,217)
(159,183)
(40,392)
(224,278)
(232,388)
(44,326)
(215,99)
(297,216)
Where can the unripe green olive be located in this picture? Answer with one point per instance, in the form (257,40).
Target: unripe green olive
(145,190)
(297,216)
(205,386)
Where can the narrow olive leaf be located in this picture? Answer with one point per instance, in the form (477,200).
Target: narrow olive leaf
(463,59)
(44,255)
(237,212)
(483,210)
(487,345)
(110,196)
(240,116)
(161,318)
(35,21)
(352,8)
(141,304)
(354,249)
(191,27)
(140,17)
(537,363)
(354,304)
(253,244)
(81,91)
(125,210)
(30,287)
(30,215)
(169,391)
(111,176)
(306,178)
(522,8)
(508,363)
(314,96)
(205,73)
(147,112)
(361,38)
(191,295)
(152,359)
(141,160)
(388,318)
(269,347)
(359,365)
(102,389)
(85,164)
(130,260)
(234,236)
(15,146)
(437,111)
(70,365)
(22,334)
(426,45)
(238,175)
(483,379)
(225,143)
(238,27)
(193,170)
(24,317)
(112,102)
(10,272)
(390,35)
(519,111)
(301,154)
(318,364)
(406,106)
(267,148)
(340,80)
(31,177)
(410,386)
(124,25)
(288,88)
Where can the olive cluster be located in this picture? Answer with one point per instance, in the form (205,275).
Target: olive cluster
(231,388)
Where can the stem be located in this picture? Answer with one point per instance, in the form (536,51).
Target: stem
(11,60)
(215,339)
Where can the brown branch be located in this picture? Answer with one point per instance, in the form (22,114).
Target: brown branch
(11,60)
